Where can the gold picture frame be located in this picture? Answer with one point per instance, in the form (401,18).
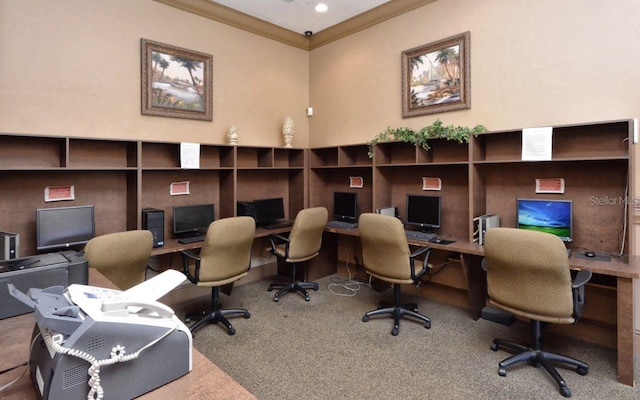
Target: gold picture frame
(436,77)
(175,82)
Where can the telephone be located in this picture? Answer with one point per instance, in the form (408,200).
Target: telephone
(93,334)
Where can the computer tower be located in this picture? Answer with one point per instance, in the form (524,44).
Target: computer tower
(247,208)
(153,220)
(9,245)
(482,224)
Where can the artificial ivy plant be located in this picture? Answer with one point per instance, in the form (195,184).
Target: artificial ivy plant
(460,134)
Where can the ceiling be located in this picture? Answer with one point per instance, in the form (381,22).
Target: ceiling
(299,15)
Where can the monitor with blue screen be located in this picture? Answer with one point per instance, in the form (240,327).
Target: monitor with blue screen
(551,216)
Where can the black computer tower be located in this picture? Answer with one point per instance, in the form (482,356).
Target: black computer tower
(153,220)
(247,208)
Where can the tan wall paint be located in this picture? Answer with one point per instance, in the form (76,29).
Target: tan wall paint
(533,63)
(72,67)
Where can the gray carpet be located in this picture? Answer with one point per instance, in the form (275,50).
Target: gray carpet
(321,349)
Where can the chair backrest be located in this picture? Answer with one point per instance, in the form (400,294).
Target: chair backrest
(305,238)
(528,273)
(226,252)
(385,250)
(121,257)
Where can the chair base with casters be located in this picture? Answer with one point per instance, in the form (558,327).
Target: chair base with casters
(216,315)
(538,358)
(293,286)
(397,311)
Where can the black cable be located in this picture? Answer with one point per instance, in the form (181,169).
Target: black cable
(12,368)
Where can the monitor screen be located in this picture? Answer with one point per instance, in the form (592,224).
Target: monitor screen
(423,211)
(193,219)
(268,210)
(63,227)
(551,216)
(345,206)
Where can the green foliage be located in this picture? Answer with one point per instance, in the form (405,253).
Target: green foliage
(437,130)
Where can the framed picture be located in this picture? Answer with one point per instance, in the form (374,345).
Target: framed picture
(176,82)
(435,77)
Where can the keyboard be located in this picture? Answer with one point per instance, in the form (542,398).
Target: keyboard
(278,224)
(342,225)
(191,239)
(422,236)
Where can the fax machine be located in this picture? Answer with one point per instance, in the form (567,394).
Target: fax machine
(91,342)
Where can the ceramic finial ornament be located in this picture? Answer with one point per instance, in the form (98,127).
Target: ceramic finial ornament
(287,131)
(232,135)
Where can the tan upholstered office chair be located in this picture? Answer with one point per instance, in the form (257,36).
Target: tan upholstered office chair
(528,275)
(386,256)
(224,258)
(303,244)
(122,256)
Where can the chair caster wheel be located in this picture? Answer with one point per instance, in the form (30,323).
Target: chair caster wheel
(187,320)
(232,331)
(427,325)
(247,315)
(365,318)
(394,331)
(315,288)
(269,289)
(494,347)
(307,298)
(276,299)
(582,371)
(565,392)
(502,371)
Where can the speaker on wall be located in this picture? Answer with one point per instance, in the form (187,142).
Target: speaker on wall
(153,220)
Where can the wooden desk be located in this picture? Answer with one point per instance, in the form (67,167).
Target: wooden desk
(205,381)
(471,256)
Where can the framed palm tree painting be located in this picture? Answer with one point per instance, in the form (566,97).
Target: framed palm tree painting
(436,77)
(176,82)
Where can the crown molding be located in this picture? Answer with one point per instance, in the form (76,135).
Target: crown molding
(229,16)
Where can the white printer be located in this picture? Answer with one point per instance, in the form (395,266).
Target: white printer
(104,343)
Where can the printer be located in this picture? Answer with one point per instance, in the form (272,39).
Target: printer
(92,342)
(42,270)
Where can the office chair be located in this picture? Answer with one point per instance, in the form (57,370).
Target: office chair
(528,275)
(302,244)
(121,257)
(224,258)
(386,256)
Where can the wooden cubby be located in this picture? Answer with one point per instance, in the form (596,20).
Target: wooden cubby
(121,177)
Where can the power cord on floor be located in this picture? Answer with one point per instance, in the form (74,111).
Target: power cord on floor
(349,285)
(25,366)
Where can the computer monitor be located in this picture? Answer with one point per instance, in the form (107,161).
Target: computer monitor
(423,211)
(269,210)
(345,206)
(64,227)
(193,219)
(551,216)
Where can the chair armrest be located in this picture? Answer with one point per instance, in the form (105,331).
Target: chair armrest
(425,264)
(578,292)
(186,256)
(277,238)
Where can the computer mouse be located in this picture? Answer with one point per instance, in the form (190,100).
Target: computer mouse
(589,254)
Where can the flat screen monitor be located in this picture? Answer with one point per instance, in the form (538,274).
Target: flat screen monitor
(64,227)
(551,216)
(269,210)
(345,206)
(192,219)
(423,211)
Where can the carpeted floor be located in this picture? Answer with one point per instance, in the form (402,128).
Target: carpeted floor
(321,349)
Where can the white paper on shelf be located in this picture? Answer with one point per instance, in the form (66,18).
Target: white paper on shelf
(536,143)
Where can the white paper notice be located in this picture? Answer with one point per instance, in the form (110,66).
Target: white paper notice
(536,143)
(190,155)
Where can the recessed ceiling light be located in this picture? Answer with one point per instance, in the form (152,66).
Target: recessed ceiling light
(321,7)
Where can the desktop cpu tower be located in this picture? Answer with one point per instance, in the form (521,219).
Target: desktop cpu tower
(9,245)
(247,208)
(153,220)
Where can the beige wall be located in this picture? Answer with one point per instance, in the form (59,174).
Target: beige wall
(533,63)
(72,67)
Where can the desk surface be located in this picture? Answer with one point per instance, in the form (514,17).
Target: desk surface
(205,381)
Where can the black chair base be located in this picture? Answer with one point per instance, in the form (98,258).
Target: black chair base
(215,317)
(398,311)
(538,358)
(293,287)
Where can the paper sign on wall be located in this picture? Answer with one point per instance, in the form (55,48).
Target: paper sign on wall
(179,188)
(431,183)
(189,155)
(59,193)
